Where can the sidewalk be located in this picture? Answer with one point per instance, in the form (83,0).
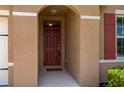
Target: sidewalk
(56,79)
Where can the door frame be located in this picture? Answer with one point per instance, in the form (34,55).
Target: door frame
(62,20)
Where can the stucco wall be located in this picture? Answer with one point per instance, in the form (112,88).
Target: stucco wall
(89,53)
(88,9)
(25,51)
(72,46)
(89,50)
(85,42)
(27,8)
(5,7)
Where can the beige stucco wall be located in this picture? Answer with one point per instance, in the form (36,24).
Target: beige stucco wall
(72,46)
(27,8)
(87,9)
(79,39)
(5,7)
(89,50)
(25,51)
(105,66)
(89,58)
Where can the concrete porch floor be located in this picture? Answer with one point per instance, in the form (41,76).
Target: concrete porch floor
(56,79)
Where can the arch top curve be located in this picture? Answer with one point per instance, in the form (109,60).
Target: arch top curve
(71,7)
(39,8)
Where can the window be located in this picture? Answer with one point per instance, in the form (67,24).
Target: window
(120,36)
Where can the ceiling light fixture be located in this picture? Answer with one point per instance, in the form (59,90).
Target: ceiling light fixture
(53,11)
(50,24)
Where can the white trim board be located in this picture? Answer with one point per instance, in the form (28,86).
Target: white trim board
(112,61)
(90,17)
(4,12)
(119,11)
(24,13)
(10,64)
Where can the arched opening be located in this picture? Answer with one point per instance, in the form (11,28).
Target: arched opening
(59,42)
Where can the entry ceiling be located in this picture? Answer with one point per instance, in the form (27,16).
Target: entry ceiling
(55,10)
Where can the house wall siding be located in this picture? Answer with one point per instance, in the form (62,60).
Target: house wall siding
(89,47)
(25,51)
(73,45)
(89,52)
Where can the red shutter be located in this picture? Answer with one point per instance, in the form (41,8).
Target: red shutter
(109,36)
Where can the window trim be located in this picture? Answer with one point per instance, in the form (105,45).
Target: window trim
(116,36)
(111,61)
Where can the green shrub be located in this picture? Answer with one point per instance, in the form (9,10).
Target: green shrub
(116,77)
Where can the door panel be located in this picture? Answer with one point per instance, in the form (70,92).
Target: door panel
(3,50)
(52,46)
(3,77)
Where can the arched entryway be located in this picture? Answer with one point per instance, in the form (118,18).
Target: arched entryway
(81,44)
(59,41)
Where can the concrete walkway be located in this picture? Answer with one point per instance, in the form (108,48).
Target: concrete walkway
(56,79)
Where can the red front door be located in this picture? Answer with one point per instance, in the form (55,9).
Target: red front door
(52,45)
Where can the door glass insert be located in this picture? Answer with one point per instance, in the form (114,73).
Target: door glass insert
(3,51)
(3,25)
